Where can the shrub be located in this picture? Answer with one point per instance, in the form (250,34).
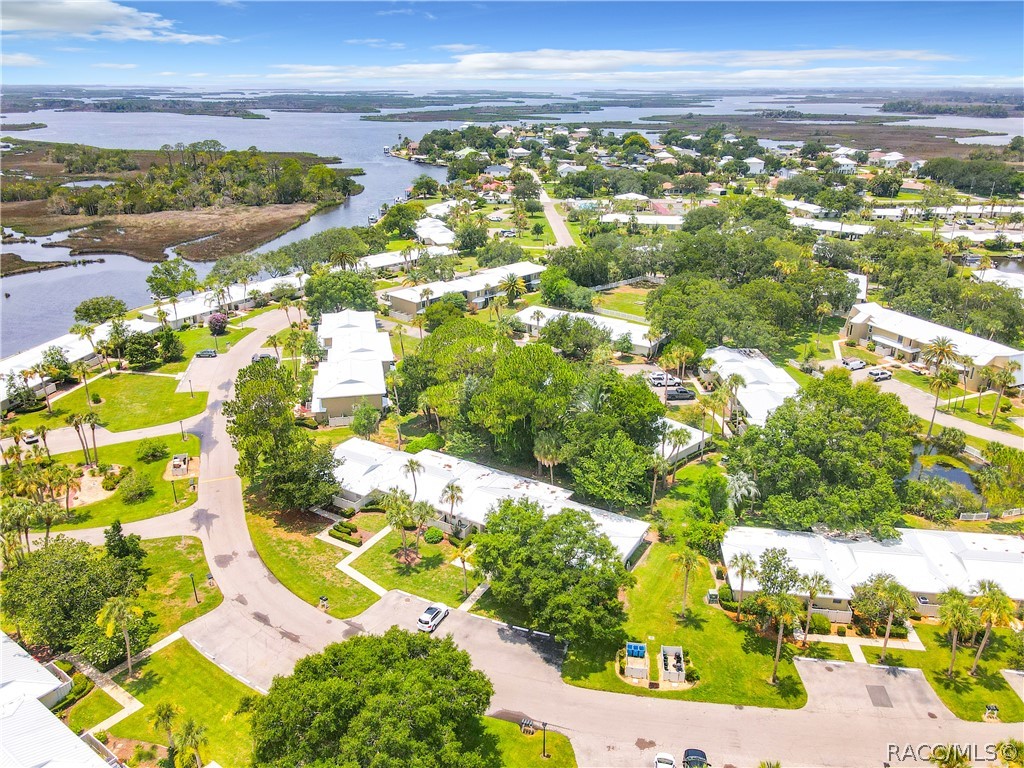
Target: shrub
(347,538)
(151,449)
(343,526)
(96,399)
(80,686)
(135,487)
(433,535)
(719,572)
(102,736)
(820,625)
(871,346)
(431,441)
(851,342)
(898,632)
(728,605)
(348,513)
(307,422)
(841,631)
(915,616)
(692,675)
(218,323)
(110,481)
(725,593)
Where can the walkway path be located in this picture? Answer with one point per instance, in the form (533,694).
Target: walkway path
(345,566)
(563,237)
(105,682)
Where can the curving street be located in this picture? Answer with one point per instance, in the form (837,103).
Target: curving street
(261,629)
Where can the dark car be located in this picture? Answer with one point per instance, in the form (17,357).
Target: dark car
(263,356)
(680,393)
(206,353)
(695,758)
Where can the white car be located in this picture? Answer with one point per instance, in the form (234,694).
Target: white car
(880,375)
(431,617)
(854,363)
(30,437)
(664,760)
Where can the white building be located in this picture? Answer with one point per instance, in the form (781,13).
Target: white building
(674,453)
(765,387)
(844,165)
(756,166)
(430,231)
(195,309)
(891,159)
(898,333)
(837,228)
(478,289)
(861,281)
(925,562)
(809,209)
(1009,279)
(369,469)
(30,735)
(442,209)
(669,221)
(535,318)
(392,260)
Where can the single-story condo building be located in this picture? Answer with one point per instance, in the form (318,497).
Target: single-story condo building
(392,260)
(1008,279)
(837,228)
(765,386)
(195,309)
(925,562)
(896,333)
(32,734)
(644,219)
(673,452)
(358,358)
(535,318)
(433,232)
(369,469)
(809,209)
(478,289)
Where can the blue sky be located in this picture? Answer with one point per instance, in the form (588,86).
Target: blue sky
(545,46)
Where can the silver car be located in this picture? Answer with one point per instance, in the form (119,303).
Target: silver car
(431,617)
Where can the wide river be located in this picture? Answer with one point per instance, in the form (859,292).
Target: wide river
(39,306)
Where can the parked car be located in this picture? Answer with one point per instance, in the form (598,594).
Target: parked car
(880,375)
(663,379)
(431,617)
(664,760)
(29,436)
(854,363)
(695,758)
(263,356)
(680,393)
(206,353)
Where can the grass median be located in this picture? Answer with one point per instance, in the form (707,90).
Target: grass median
(168,594)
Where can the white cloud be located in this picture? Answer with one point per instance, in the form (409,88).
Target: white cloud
(456,47)
(113,65)
(408,12)
(99,19)
(375,42)
(70,49)
(198,74)
(166,74)
(19,60)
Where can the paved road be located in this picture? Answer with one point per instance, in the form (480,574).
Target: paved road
(261,629)
(563,237)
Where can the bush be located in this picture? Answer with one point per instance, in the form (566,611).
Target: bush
(218,323)
(725,593)
(729,605)
(841,631)
(719,572)
(347,513)
(898,632)
(692,675)
(851,342)
(151,449)
(347,538)
(105,652)
(433,535)
(135,487)
(871,346)
(431,441)
(820,625)
(343,526)
(110,481)
(96,399)
(80,686)
(307,422)
(102,736)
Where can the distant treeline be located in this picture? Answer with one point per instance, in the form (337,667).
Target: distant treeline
(979,177)
(915,107)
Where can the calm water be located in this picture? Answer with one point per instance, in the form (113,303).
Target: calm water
(945,471)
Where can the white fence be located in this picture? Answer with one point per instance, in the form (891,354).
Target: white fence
(974,516)
(630,281)
(836,617)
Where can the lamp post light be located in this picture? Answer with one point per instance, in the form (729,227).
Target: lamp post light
(181,426)
(544,747)
(194,590)
(174,491)
(191,392)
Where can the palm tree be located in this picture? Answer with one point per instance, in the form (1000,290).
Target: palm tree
(740,487)
(50,513)
(187,742)
(81,370)
(115,614)
(547,451)
(677,438)
(513,286)
(995,608)
(744,565)
(286,304)
(537,317)
(1003,378)
(418,321)
(705,408)
(939,351)
(783,608)
(43,371)
(1011,751)
(660,468)
(814,584)
(462,550)
(732,384)
(941,383)
(75,420)
(950,756)
(91,420)
(19,515)
(894,599)
(41,432)
(688,559)
(396,504)
(957,619)
(421,512)
(163,717)
(986,375)
(451,495)
(412,468)
(274,340)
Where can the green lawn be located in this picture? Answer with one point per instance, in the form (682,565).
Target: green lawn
(626,298)
(130,401)
(966,696)
(168,594)
(734,661)
(526,237)
(196,339)
(181,675)
(807,339)
(407,345)
(860,353)
(969,413)
(673,504)
(433,577)
(333,435)
(160,502)
(92,710)
(305,565)
(514,748)
(1009,527)
(921,381)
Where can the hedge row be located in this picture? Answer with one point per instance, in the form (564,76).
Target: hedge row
(345,537)
(343,526)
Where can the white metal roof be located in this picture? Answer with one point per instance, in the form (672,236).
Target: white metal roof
(669,451)
(637,332)
(443,208)
(766,386)
(800,205)
(21,675)
(207,301)
(981,351)
(837,227)
(346,377)
(434,230)
(861,281)
(463,285)
(631,196)
(392,259)
(922,561)
(1009,279)
(645,219)
(369,467)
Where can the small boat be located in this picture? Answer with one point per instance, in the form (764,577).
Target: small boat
(371,219)
(387,150)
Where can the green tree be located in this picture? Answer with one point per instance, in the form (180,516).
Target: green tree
(996,609)
(141,350)
(470,237)
(188,740)
(614,472)
(745,567)
(365,419)
(688,560)
(397,505)
(1003,378)
(883,596)
(260,420)
(116,614)
(299,474)
(163,716)
(99,309)
(957,619)
(783,608)
(813,584)
(941,384)
(335,291)
(397,698)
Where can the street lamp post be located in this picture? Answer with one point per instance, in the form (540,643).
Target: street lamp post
(544,748)
(174,491)
(192,392)
(181,426)
(194,590)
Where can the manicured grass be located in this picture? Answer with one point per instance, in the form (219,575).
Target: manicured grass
(130,401)
(804,341)
(625,298)
(305,565)
(160,501)
(401,245)
(860,353)
(334,435)
(734,661)
(92,710)
(433,577)
(196,339)
(1009,527)
(199,689)
(965,696)
(168,594)
(673,504)
(797,375)
(988,402)
(372,522)
(409,342)
(526,238)
(921,381)
(514,748)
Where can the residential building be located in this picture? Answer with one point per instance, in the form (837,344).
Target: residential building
(478,289)
(788,173)
(891,159)
(844,165)
(195,309)
(369,469)
(431,231)
(358,358)
(675,453)
(837,228)
(756,166)
(644,219)
(31,736)
(1009,279)
(765,386)
(899,334)
(442,209)
(465,152)
(518,153)
(861,281)
(925,562)
(565,170)
(535,318)
(392,260)
(807,209)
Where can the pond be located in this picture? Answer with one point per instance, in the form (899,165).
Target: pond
(933,466)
